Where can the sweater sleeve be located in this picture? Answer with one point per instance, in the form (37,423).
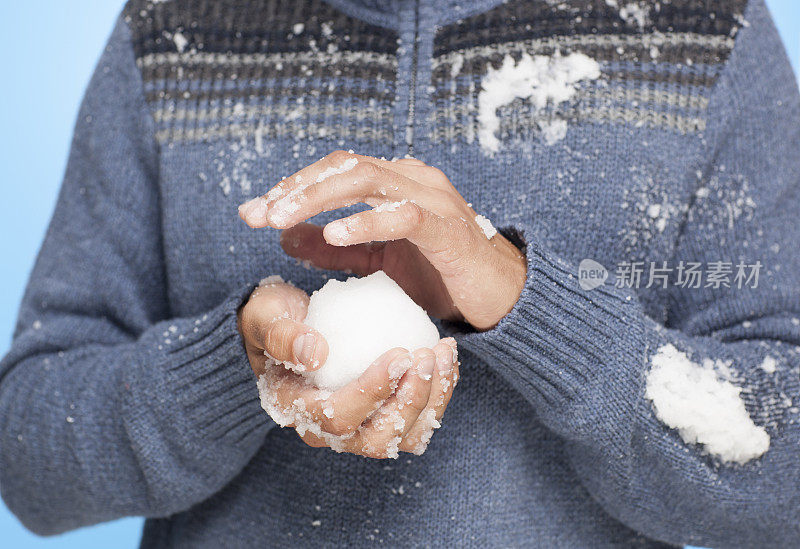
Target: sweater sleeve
(584,359)
(109,408)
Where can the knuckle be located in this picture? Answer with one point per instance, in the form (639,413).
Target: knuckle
(337,426)
(367,172)
(311,441)
(278,337)
(420,399)
(437,175)
(370,392)
(337,157)
(412,215)
(452,203)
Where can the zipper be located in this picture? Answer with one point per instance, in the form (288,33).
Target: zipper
(412,98)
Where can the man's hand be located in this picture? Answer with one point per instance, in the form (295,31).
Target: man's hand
(428,239)
(394,406)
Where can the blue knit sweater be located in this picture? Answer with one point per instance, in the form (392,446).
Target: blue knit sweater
(127,390)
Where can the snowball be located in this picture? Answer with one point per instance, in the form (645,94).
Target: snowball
(361,319)
(703,408)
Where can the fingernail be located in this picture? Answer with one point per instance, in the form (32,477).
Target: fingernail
(444,362)
(287,240)
(254,210)
(337,232)
(454,346)
(303,348)
(399,366)
(426,366)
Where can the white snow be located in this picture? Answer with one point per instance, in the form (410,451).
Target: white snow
(769,365)
(287,205)
(269,384)
(389,206)
(361,319)
(271,280)
(705,409)
(635,14)
(458,64)
(429,424)
(298,28)
(654,210)
(180,41)
(486,226)
(539,79)
(346,166)
(554,131)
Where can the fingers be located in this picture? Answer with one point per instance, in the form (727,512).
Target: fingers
(351,405)
(394,406)
(342,179)
(417,438)
(382,434)
(289,341)
(367,182)
(270,321)
(342,412)
(428,231)
(305,241)
(410,162)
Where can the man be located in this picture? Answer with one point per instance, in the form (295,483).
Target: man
(643,411)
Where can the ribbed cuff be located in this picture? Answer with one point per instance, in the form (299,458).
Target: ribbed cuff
(207,386)
(561,345)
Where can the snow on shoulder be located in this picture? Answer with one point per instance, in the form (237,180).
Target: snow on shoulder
(539,79)
(704,408)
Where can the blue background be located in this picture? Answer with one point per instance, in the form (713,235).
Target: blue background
(50,47)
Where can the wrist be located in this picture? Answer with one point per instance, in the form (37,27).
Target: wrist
(513,275)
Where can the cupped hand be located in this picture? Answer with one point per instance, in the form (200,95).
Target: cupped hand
(394,406)
(420,231)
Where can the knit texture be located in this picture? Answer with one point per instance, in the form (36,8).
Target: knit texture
(127,391)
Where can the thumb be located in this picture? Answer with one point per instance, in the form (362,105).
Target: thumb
(271,321)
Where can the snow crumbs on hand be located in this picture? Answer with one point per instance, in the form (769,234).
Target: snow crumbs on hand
(486,226)
(286,206)
(389,206)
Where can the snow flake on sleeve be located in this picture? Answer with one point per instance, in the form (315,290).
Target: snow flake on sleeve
(704,408)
